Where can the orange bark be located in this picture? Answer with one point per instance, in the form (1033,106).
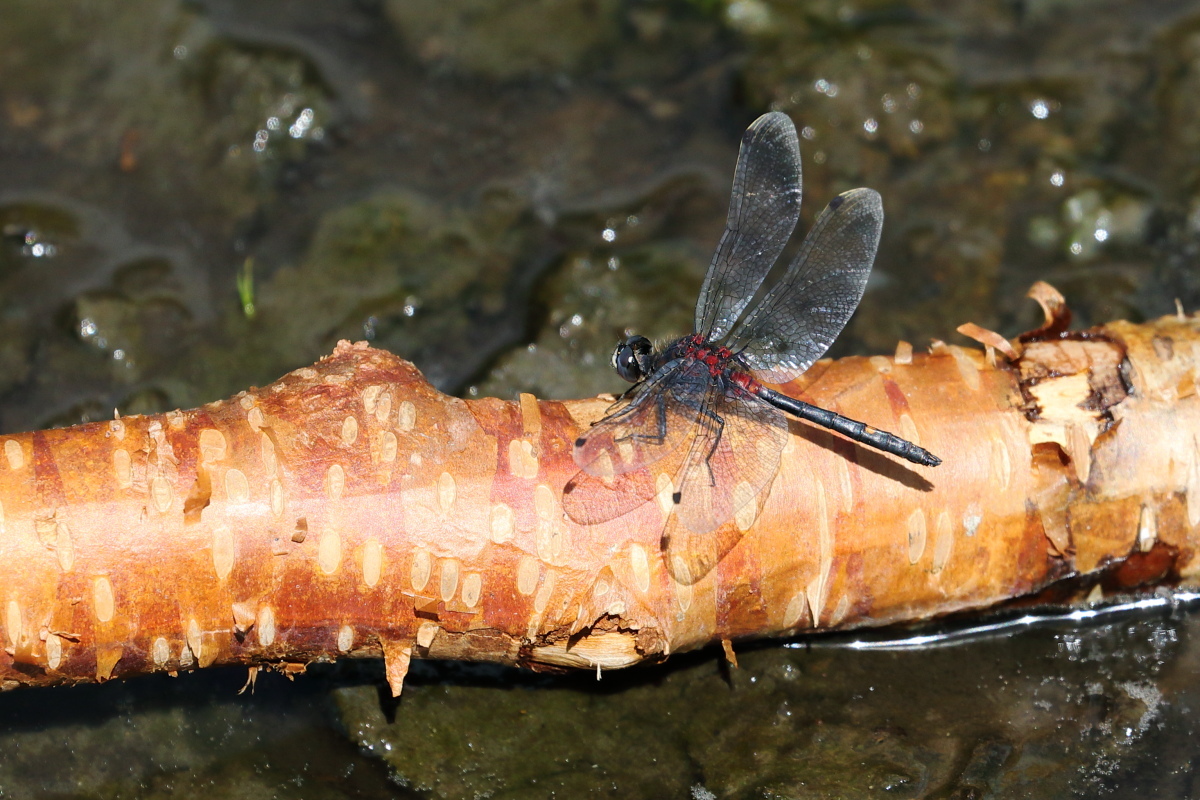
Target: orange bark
(350,509)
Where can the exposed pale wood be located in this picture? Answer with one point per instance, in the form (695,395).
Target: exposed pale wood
(350,509)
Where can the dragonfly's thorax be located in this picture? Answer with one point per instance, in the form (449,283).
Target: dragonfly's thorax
(718,359)
(723,364)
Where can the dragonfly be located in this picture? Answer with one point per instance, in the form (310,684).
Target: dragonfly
(699,429)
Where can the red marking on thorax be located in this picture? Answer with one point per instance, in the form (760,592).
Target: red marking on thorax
(718,360)
(715,358)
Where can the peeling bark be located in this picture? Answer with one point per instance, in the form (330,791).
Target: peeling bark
(348,509)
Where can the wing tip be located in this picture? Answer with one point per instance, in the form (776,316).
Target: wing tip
(770,120)
(862,194)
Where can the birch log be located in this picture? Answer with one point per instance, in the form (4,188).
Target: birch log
(349,509)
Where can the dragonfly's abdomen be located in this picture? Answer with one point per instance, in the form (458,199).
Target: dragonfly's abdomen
(744,381)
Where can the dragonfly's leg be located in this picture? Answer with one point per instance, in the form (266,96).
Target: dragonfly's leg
(660,434)
(710,420)
(660,427)
(714,419)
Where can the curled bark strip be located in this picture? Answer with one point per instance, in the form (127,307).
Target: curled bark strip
(991,340)
(349,509)
(1054,308)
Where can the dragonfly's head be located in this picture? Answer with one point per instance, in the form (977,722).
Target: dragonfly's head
(631,357)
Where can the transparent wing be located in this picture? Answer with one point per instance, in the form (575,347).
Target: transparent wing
(734,454)
(615,456)
(731,456)
(720,484)
(657,420)
(801,315)
(592,500)
(763,210)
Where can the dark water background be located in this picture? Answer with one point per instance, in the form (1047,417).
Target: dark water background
(497,191)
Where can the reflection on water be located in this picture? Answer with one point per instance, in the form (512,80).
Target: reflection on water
(498,191)
(1011,624)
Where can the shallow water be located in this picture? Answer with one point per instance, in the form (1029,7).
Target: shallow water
(198,197)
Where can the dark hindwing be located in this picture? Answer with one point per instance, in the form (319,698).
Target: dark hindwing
(763,210)
(800,317)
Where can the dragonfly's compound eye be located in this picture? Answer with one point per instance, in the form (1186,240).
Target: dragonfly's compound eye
(628,358)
